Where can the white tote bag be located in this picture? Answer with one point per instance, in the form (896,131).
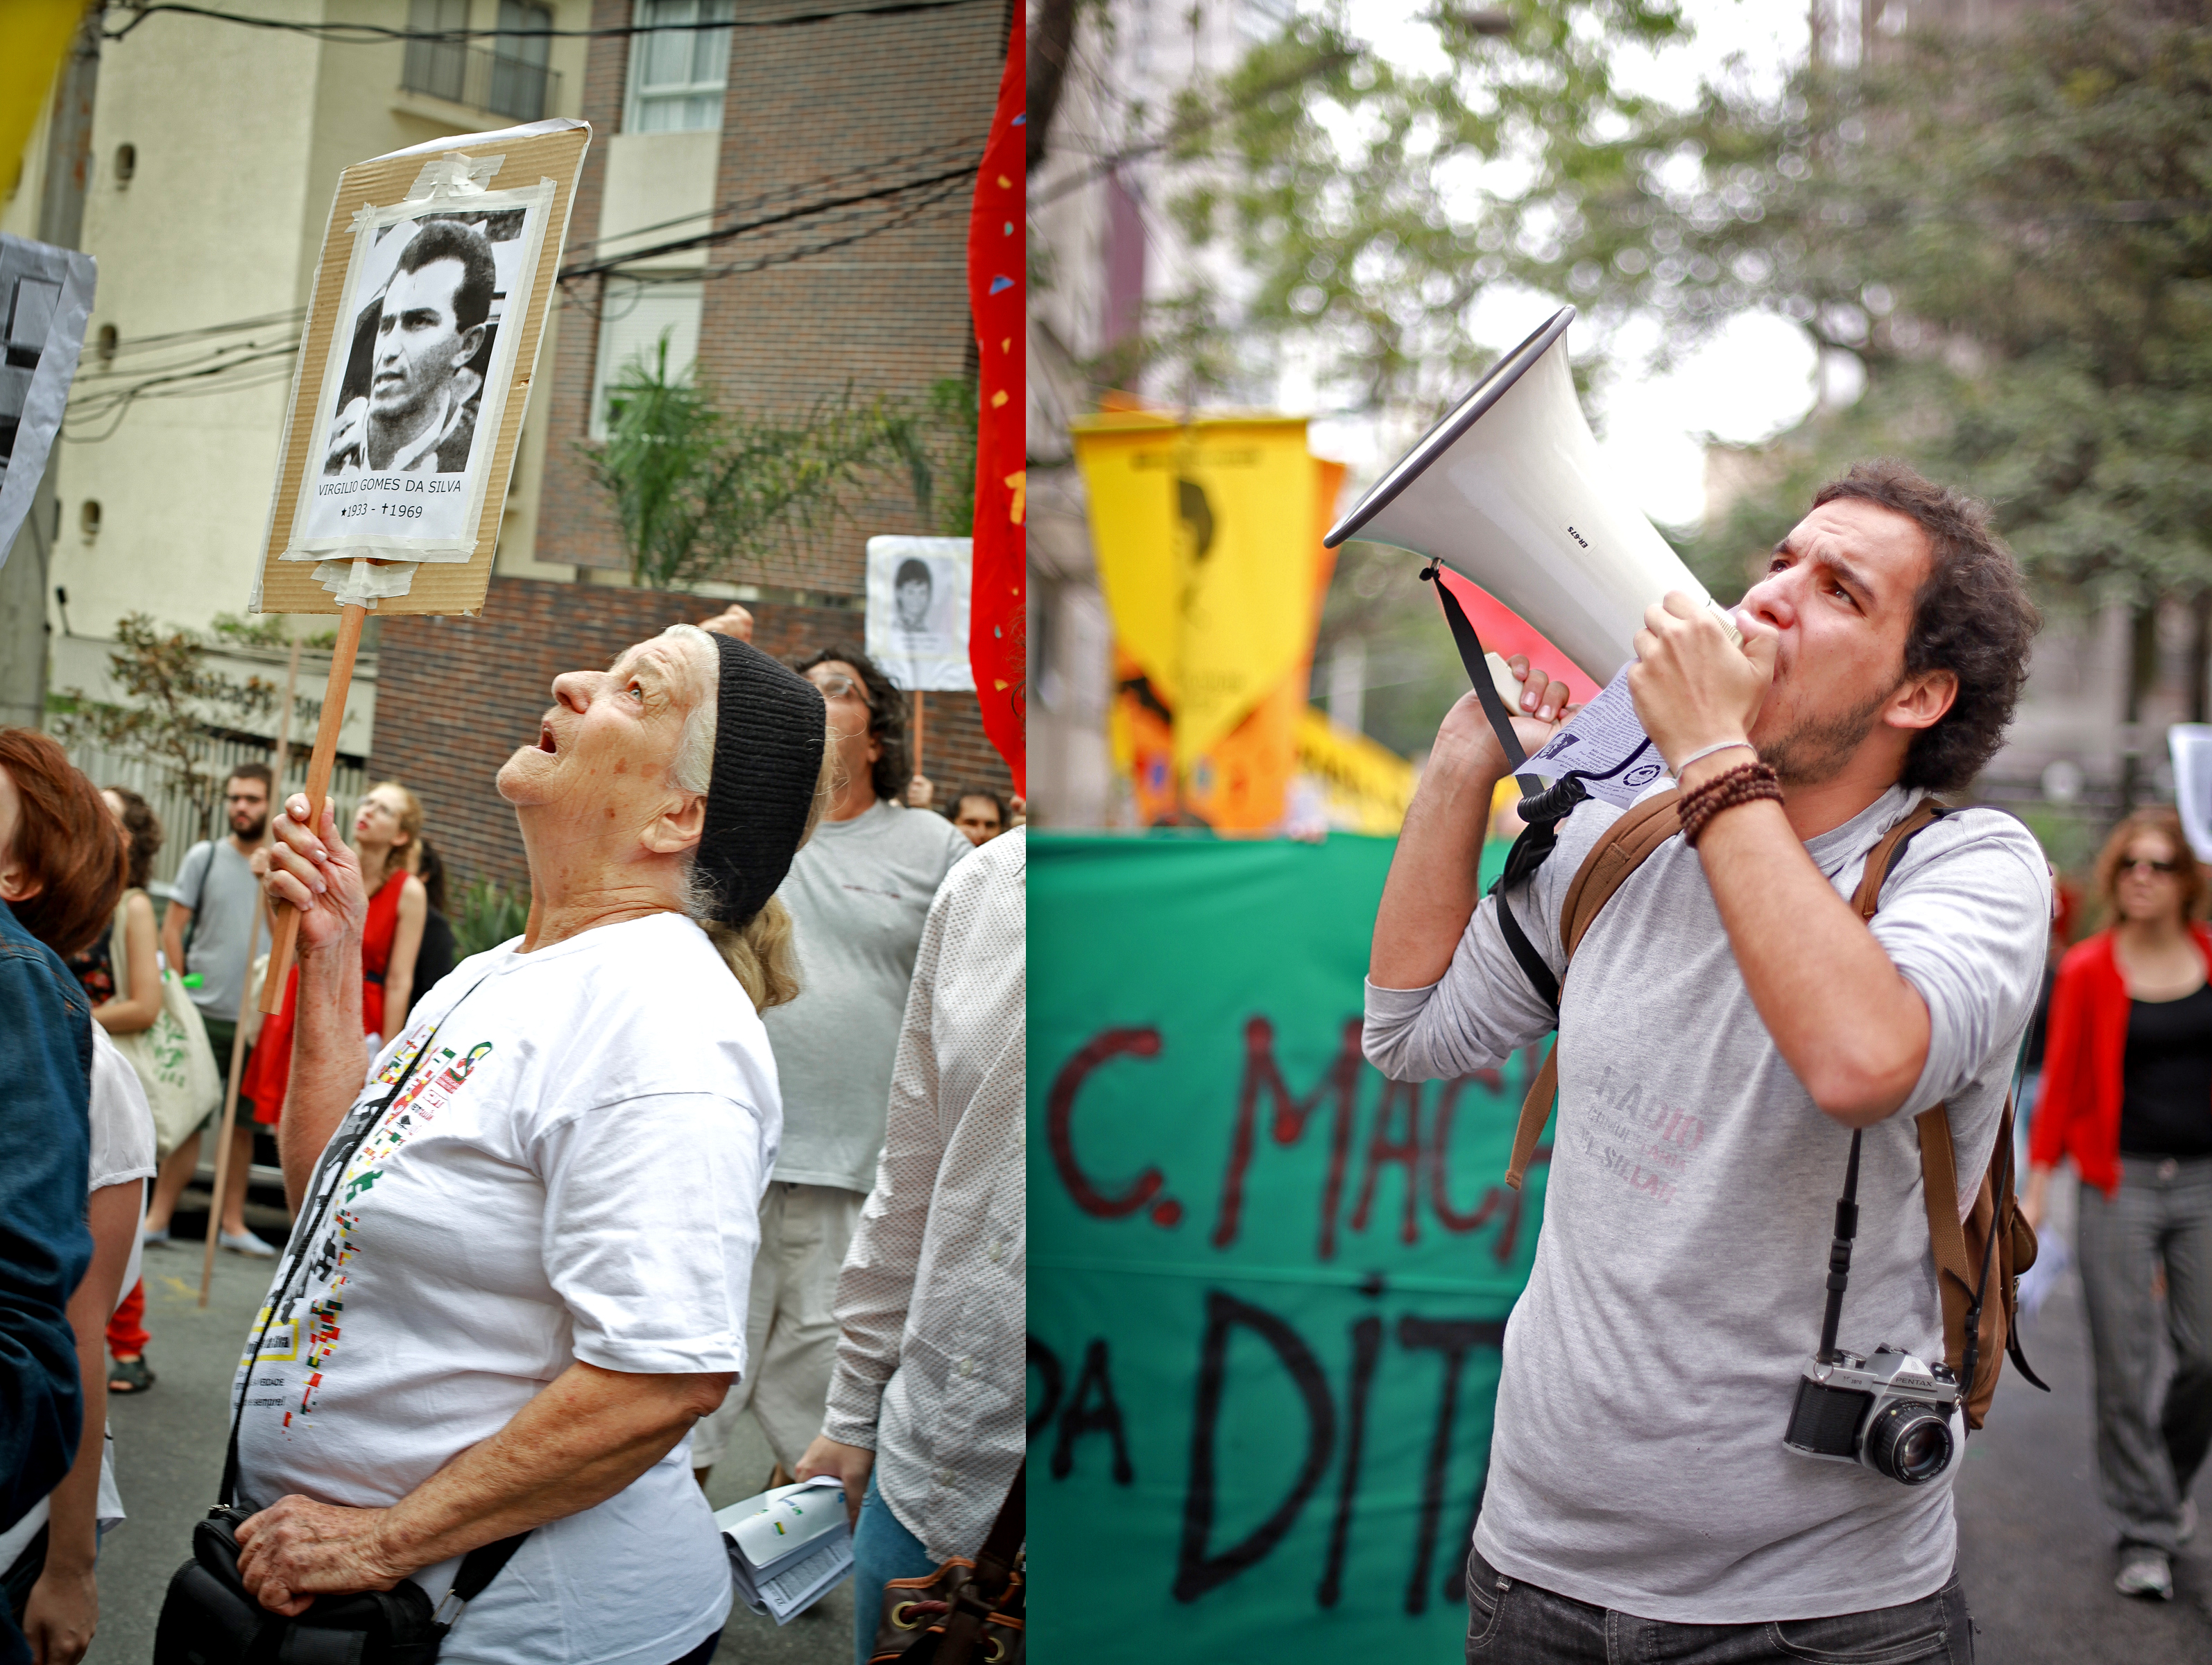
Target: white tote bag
(175,1063)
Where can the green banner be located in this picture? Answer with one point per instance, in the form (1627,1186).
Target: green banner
(1267,1287)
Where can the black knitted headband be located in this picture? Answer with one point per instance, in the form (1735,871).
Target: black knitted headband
(769,735)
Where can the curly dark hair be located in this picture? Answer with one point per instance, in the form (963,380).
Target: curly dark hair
(1972,617)
(886,717)
(145,830)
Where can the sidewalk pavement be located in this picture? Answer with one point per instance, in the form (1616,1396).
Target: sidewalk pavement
(169,1450)
(2036,1546)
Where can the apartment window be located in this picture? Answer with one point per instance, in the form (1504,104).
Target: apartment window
(631,323)
(518,55)
(676,78)
(439,68)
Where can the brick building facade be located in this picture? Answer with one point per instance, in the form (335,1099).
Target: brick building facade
(457,696)
(870,297)
(830,111)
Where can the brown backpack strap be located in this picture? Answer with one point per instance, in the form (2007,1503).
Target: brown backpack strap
(1939,1179)
(1868,897)
(1619,852)
(1535,1111)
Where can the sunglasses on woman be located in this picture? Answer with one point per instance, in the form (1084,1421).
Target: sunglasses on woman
(2130,865)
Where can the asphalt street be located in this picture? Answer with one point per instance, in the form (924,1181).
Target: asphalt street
(2037,1550)
(169,1447)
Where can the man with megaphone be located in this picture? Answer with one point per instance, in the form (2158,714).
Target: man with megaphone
(1733,1025)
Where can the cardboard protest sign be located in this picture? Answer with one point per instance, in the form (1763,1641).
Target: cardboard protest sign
(429,301)
(45,296)
(1267,1288)
(918,612)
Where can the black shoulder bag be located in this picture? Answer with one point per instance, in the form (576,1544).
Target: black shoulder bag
(210,1618)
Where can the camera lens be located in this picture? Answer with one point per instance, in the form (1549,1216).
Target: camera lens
(1910,1443)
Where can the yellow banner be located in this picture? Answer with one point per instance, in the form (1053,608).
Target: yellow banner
(1204,532)
(1368,785)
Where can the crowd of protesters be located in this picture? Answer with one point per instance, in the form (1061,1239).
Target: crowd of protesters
(769,1000)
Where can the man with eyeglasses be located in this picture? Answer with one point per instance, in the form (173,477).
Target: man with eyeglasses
(859,894)
(213,906)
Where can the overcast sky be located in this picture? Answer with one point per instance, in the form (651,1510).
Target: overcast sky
(1755,380)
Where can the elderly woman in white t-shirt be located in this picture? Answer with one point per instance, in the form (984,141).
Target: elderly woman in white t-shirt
(506,1308)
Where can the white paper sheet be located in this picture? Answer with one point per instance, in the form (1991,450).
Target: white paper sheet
(1606,744)
(788,1547)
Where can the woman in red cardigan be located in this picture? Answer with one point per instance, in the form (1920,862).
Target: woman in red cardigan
(2127,1093)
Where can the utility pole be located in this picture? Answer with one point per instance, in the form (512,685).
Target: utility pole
(23,580)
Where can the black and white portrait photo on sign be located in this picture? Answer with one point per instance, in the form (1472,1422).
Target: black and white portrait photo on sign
(410,401)
(45,296)
(417,376)
(918,612)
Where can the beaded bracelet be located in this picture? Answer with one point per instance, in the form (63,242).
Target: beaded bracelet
(1747,783)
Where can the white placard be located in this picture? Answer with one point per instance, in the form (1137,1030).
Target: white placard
(918,612)
(2189,745)
(420,369)
(45,296)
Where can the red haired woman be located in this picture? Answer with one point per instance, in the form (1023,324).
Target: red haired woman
(61,870)
(2127,1093)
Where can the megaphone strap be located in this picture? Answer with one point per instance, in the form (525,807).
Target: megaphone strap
(1471,655)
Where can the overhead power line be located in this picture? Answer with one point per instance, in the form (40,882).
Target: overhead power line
(970,148)
(377,34)
(705,238)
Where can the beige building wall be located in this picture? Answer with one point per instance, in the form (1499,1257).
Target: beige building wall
(237,138)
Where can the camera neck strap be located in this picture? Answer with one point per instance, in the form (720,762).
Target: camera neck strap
(322,1195)
(482,1565)
(1839,1253)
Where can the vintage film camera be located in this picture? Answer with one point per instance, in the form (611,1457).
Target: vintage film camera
(1892,1412)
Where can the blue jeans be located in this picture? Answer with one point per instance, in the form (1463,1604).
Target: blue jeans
(1508,1619)
(882,1550)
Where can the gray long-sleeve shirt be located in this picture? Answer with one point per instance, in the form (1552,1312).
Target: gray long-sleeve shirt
(1677,1285)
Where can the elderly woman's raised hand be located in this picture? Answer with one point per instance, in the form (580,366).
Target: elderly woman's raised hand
(312,870)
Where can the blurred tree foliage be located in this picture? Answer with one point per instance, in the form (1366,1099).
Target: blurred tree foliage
(2010,228)
(1365,205)
(171,701)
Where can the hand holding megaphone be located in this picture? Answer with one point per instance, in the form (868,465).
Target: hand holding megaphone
(1695,688)
(1539,706)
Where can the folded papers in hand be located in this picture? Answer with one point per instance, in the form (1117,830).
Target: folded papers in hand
(788,1547)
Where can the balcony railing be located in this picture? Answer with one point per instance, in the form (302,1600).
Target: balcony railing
(499,83)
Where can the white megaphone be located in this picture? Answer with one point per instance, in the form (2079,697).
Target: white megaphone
(1508,490)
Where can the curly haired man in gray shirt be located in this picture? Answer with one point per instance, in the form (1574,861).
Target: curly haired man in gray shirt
(1730,1021)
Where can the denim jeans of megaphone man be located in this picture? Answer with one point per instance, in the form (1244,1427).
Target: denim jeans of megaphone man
(1509,1620)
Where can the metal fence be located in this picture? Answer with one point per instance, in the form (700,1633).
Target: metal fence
(184,824)
(502,83)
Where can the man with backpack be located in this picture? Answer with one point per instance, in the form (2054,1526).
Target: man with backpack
(1781,992)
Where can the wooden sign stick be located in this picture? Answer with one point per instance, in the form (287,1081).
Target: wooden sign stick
(223,1136)
(320,764)
(917,730)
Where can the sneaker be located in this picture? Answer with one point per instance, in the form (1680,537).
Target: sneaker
(149,1238)
(2146,1572)
(245,1242)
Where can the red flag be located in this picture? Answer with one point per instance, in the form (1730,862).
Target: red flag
(1506,633)
(998,646)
